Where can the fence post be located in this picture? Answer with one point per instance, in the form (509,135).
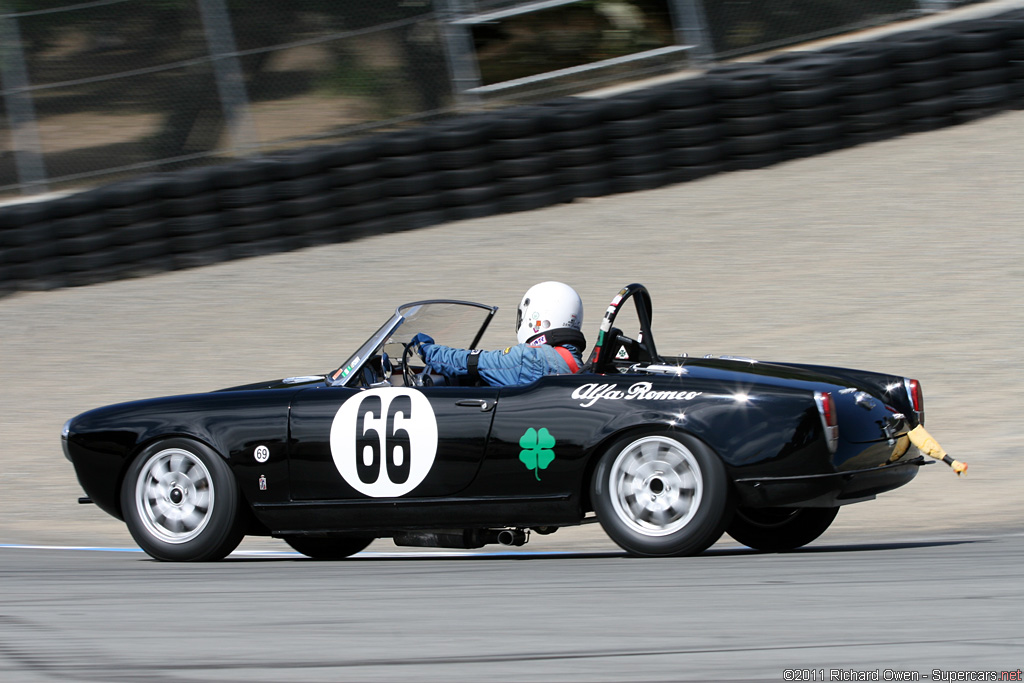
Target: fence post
(458,47)
(21,114)
(691,28)
(227,72)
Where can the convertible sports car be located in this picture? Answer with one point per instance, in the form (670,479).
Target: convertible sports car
(667,453)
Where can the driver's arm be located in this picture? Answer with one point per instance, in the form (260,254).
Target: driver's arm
(515,365)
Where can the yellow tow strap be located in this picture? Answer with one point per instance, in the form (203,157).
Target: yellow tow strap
(927,444)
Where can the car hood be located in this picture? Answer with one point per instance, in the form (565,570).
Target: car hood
(286,383)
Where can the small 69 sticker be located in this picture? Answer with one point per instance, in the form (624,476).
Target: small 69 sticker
(262,454)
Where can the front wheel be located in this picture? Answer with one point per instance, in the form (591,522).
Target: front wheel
(661,494)
(776,529)
(181,503)
(327,548)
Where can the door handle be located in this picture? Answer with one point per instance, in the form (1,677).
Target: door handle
(483,404)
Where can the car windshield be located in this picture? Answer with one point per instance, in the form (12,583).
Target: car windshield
(460,324)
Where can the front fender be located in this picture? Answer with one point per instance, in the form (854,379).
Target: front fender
(102,443)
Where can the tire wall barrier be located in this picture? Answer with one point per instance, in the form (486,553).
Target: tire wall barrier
(735,116)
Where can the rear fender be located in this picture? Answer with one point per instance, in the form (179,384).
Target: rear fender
(774,433)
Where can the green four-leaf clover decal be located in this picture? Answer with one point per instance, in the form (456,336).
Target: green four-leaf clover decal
(537,453)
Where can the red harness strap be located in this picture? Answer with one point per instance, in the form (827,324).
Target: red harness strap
(568,358)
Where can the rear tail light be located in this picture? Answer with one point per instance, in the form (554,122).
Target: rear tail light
(829,419)
(916,397)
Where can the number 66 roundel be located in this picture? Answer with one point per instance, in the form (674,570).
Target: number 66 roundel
(384,441)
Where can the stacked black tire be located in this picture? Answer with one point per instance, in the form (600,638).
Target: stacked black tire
(736,116)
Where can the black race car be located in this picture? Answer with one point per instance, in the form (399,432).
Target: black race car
(667,453)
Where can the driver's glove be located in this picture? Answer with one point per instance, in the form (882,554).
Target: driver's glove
(418,342)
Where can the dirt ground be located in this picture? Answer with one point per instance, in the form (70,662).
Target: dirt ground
(905,256)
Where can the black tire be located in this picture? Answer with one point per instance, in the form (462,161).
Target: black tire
(181,502)
(964,80)
(869,81)
(133,213)
(776,529)
(749,162)
(694,135)
(300,206)
(860,57)
(925,90)
(640,164)
(984,96)
(697,156)
(975,61)
(594,188)
(410,185)
(911,46)
(516,148)
(754,144)
(458,159)
(532,200)
(740,80)
(803,72)
(872,120)
(579,137)
(868,102)
(641,181)
(753,125)
(470,211)
(750,106)
(469,196)
(814,134)
(980,37)
(580,156)
(685,94)
(1017,49)
(926,123)
(529,165)
(686,117)
(936,106)
(629,128)
(327,548)
(402,166)
(471,176)
(588,173)
(804,99)
(924,70)
(247,195)
(356,173)
(524,184)
(624,147)
(403,142)
(683,510)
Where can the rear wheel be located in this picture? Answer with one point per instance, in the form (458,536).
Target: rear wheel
(181,503)
(776,529)
(327,548)
(661,494)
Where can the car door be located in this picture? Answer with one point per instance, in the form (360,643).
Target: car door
(387,442)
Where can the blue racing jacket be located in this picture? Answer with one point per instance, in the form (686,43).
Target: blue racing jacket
(520,364)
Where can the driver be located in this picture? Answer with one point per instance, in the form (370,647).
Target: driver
(550,342)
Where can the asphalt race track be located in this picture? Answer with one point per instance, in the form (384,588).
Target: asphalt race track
(902,256)
(729,615)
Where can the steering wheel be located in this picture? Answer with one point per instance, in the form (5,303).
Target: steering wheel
(410,378)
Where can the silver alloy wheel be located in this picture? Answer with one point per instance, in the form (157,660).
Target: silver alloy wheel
(174,495)
(656,486)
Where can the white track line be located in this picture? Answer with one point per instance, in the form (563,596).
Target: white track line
(287,553)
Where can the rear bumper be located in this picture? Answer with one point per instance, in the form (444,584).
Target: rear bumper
(826,490)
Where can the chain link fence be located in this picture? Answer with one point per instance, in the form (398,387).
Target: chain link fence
(93,91)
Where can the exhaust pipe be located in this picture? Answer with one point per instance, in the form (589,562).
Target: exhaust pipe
(516,537)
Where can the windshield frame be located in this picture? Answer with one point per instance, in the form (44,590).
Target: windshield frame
(350,368)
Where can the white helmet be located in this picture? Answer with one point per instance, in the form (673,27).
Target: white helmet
(548,306)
